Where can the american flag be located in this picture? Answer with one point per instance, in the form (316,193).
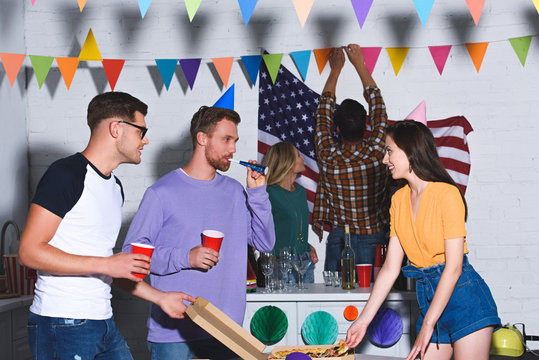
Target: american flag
(286,113)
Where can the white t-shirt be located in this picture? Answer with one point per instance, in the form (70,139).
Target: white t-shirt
(89,204)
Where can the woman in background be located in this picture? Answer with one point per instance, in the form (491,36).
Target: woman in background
(457,311)
(289,201)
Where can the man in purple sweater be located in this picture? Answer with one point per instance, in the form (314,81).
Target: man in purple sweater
(172,215)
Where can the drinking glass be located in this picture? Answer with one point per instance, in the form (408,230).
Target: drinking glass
(284,264)
(266,265)
(301,262)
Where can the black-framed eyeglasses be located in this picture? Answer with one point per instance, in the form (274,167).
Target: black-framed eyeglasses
(142,129)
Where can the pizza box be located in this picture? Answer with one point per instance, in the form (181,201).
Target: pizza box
(235,337)
(348,356)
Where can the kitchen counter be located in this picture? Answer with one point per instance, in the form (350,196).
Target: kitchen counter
(14,303)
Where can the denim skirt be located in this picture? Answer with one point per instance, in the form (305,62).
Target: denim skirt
(470,308)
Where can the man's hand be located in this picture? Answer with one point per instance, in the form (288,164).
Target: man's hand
(355,55)
(122,265)
(202,257)
(314,256)
(336,59)
(254,178)
(172,304)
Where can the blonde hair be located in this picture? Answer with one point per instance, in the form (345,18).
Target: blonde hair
(279,159)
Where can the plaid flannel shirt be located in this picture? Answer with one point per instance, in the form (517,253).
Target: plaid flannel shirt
(353,184)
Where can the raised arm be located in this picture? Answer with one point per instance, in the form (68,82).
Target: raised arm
(356,58)
(336,63)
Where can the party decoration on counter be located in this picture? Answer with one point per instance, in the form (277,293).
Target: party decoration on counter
(303,8)
(143,6)
(521,45)
(419,114)
(41,65)
(397,56)
(112,68)
(166,68)
(269,324)
(247,7)
(385,328)
(90,51)
(477,53)
(297,356)
(370,57)
(82,3)
(301,59)
(68,67)
(476,8)
(190,69)
(319,328)
(350,313)
(227,100)
(361,8)
(439,55)
(273,63)
(322,57)
(223,66)
(423,8)
(252,64)
(12,65)
(192,7)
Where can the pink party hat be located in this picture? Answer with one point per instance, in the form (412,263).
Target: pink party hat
(419,114)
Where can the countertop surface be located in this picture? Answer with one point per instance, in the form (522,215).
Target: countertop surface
(16,302)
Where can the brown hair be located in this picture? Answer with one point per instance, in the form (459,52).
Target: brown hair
(205,119)
(114,104)
(279,159)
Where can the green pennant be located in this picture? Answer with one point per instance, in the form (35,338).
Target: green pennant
(273,63)
(41,65)
(192,7)
(521,45)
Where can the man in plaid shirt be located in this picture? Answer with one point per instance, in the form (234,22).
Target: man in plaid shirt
(353,185)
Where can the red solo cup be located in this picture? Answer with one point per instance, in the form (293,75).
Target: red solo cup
(364,272)
(212,239)
(144,249)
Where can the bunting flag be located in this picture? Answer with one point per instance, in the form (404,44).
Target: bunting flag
(361,8)
(166,68)
(322,57)
(33,2)
(143,6)
(41,65)
(370,57)
(301,59)
(477,53)
(252,64)
(113,68)
(223,66)
(192,7)
(423,8)
(12,65)
(536,3)
(190,70)
(247,7)
(227,100)
(476,8)
(273,62)
(521,45)
(68,67)
(303,8)
(82,3)
(439,55)
(397,56)
(90,51)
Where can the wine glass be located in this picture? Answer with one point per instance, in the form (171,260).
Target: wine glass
(266,264)
(301,262)
(284,264)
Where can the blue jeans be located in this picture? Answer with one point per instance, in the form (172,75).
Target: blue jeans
(200,349)
(364,247)
(53,338)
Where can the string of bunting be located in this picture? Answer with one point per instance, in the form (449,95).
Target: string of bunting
(90,52)
(303,8)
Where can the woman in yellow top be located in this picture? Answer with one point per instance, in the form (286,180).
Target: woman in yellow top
(457,311)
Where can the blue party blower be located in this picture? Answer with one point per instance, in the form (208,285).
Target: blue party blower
(256,167)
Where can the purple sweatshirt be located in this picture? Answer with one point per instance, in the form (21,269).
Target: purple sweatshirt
(172,215)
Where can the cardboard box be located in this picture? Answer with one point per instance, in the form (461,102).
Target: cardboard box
(236,338)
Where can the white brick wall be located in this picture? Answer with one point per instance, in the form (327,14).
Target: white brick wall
(500,101)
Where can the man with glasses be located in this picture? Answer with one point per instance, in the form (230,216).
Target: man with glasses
(72,227)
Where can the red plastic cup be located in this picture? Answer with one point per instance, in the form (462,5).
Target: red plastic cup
(212,239)
(144,249)
(364,272)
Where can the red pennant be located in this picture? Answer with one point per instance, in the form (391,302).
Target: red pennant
(113,67)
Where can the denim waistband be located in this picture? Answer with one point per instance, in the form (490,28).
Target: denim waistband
(413,272)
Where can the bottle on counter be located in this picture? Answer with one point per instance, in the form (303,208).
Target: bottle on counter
(348,262)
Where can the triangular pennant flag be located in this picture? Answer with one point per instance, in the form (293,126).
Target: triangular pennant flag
(322,57)
(370,57)
(397,56)
(521,45)
(252,65)
(33,2)
(89,50)
(361,8)
(192,7)
(68,67)
(190,70)
(476,8)
(536,3)
(273,63)
(227,100)
(166,68)
(439,55)
(12,65)
(41,65)
(419,114)
(223,66)
(247,7)
(477,53)
(82,3)
(143,6)
(303,8)
(423,8)
(113,68)
(301,59)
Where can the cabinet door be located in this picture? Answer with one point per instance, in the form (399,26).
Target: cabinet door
(21,350)
(289,308)
(5,338)
(19,322)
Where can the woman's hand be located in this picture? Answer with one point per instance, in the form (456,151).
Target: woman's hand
(355,333)
(421,342)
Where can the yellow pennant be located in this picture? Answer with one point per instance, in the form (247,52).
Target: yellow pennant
(90,51)
(397,56)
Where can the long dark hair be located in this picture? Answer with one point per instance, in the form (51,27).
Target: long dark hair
(417,142)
